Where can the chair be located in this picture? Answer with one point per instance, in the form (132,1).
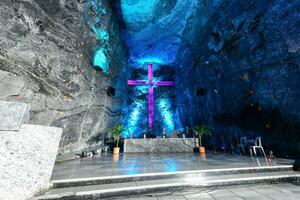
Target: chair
(243,145)
(106,149)
(257,145)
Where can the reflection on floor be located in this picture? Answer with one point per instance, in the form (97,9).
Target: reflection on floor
(128,164)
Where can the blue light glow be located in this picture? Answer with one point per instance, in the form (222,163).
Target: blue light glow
(172,165)
(144,19)
(137,12)
(165,110)
(130,168)
(101,34)
(133,120)
(95,29)
(151,60)
(100,60)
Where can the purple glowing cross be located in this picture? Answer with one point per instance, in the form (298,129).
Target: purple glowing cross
(150,84)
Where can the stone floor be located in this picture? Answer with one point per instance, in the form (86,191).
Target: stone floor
(283,191)
(128,164)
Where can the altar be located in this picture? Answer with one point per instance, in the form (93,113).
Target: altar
(160,145)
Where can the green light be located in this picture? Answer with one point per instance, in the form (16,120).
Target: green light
(101,34)
(100,60)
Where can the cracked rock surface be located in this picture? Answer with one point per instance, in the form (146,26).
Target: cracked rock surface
(42,62)
(239,72)
(236,63)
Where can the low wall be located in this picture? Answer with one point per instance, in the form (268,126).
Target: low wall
(27,160)
(160,145)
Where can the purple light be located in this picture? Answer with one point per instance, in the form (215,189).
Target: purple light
(150,73)
(150,83)
(150,107)
(163,83)
(137,82)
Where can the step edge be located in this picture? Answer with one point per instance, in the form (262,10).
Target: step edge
(168,173)
(162,186)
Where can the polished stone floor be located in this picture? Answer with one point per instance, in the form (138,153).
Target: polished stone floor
(128,164)
(282,191)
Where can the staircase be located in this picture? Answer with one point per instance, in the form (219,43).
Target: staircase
(112,186)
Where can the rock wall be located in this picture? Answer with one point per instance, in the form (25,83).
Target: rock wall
(45,61)
(239,72)
(152,31)
(236,64)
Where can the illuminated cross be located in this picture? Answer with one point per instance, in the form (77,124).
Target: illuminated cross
(150,84)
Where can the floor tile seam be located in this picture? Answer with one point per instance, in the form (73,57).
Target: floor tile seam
(151,163)
(279,190)
(166,163)
(228,189)
(253,189)
(136,162)
(292,184)
(218,189)
(211,195)
(198,192)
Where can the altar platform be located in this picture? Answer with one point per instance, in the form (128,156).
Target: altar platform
(140,163)
(160,145)
(109,176)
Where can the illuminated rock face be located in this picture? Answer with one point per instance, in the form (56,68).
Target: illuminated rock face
(45,60)
(235,65)
(242,68)
(152,32)
(163,93)
(152,29)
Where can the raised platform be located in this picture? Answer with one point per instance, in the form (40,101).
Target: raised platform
(160,145)
(133,174)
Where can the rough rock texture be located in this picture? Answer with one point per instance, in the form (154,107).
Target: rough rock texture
(152,31)
(13,115)
(241,63)
(237,64)
(44,61)
(160,145)
(27,160)
(164,104)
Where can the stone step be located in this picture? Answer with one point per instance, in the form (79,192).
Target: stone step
(175,183)
(164,175)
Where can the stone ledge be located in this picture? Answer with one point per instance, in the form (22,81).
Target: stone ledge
(160,145)
(27,160)
(13,115)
